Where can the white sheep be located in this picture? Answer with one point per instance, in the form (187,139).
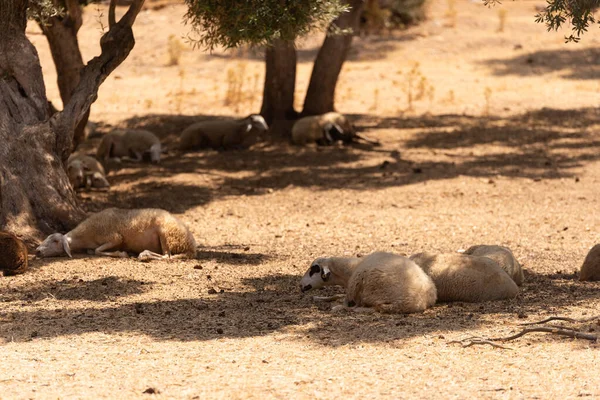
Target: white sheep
(129,145)
(85,172)
(13,254)
(590,270)
(223,134)
(503,256)
(325,129)
(151,233)
(473,279)
(386,282)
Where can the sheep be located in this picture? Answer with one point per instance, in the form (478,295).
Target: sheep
(223,134)
(590,270)
(130,145)
(13,254)
(151,233)
(325,129)
(386,282)
(472,279)
(85,172)
(503,256)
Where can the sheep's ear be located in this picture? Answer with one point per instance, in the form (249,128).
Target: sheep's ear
(66,246)
(325,274)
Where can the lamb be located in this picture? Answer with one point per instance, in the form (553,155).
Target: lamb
(13,254)
(590,270)
(130,145)
(472,279)
(228,134)
(325,129)
(386,282)
(85,172)
(503,256)
(151,233)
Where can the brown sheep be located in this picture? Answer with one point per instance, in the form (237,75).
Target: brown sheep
(590,270)
(13,254)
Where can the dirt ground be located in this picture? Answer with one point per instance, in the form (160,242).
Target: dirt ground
(499,145)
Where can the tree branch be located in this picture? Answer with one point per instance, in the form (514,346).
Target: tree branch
(116,45)
(563,319)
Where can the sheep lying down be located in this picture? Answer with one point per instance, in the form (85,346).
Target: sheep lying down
(381,281)
(150,233)
(590,270)
(13,254)
(467,278)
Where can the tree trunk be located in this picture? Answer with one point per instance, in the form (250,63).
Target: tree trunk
(35,195)
(61,32)
(328,64)
(280,84)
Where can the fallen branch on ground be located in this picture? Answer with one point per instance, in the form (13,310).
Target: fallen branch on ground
(552,329)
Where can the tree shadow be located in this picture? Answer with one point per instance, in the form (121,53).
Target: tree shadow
(573,64)
(101,290)
(542,144)
(272,304)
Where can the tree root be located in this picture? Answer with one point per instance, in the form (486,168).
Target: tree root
(552,329)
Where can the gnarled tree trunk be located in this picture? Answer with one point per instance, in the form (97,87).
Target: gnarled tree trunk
(61,32)
(35,195)
(328,64)
(280,84)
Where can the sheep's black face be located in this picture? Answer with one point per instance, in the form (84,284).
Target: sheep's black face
(316,276)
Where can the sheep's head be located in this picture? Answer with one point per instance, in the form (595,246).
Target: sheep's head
(55,245)
(256,121)
(75,173)
(317,275)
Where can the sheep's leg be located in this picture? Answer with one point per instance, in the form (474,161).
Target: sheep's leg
(101,250)
(137,157)
(329,298)
(363,310)
(155,153)
(148,255)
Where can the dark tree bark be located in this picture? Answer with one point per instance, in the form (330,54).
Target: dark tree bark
(328,64)
(61,32)
(280,84)
(35,195)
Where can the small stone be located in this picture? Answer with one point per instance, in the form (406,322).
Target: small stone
(522,315)
(198,266)
(219,331)
(212,291)
(417,170)
(151,391)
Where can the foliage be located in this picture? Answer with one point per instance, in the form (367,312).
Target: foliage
(231,23)
(42,10)
(579,13)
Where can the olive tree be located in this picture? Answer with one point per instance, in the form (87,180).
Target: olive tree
(35,195)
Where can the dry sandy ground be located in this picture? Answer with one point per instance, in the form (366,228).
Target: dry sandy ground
(516,164)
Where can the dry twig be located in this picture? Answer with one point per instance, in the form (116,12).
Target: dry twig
(552,329)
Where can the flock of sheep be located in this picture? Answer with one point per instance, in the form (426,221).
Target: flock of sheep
(381,281)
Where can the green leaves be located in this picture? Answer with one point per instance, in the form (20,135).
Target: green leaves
(579,13)
(231,23)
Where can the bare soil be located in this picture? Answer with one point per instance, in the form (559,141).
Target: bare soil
(499,146)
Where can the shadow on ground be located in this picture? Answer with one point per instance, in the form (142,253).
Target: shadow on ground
(543,144)
(268,304)
(571,64)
